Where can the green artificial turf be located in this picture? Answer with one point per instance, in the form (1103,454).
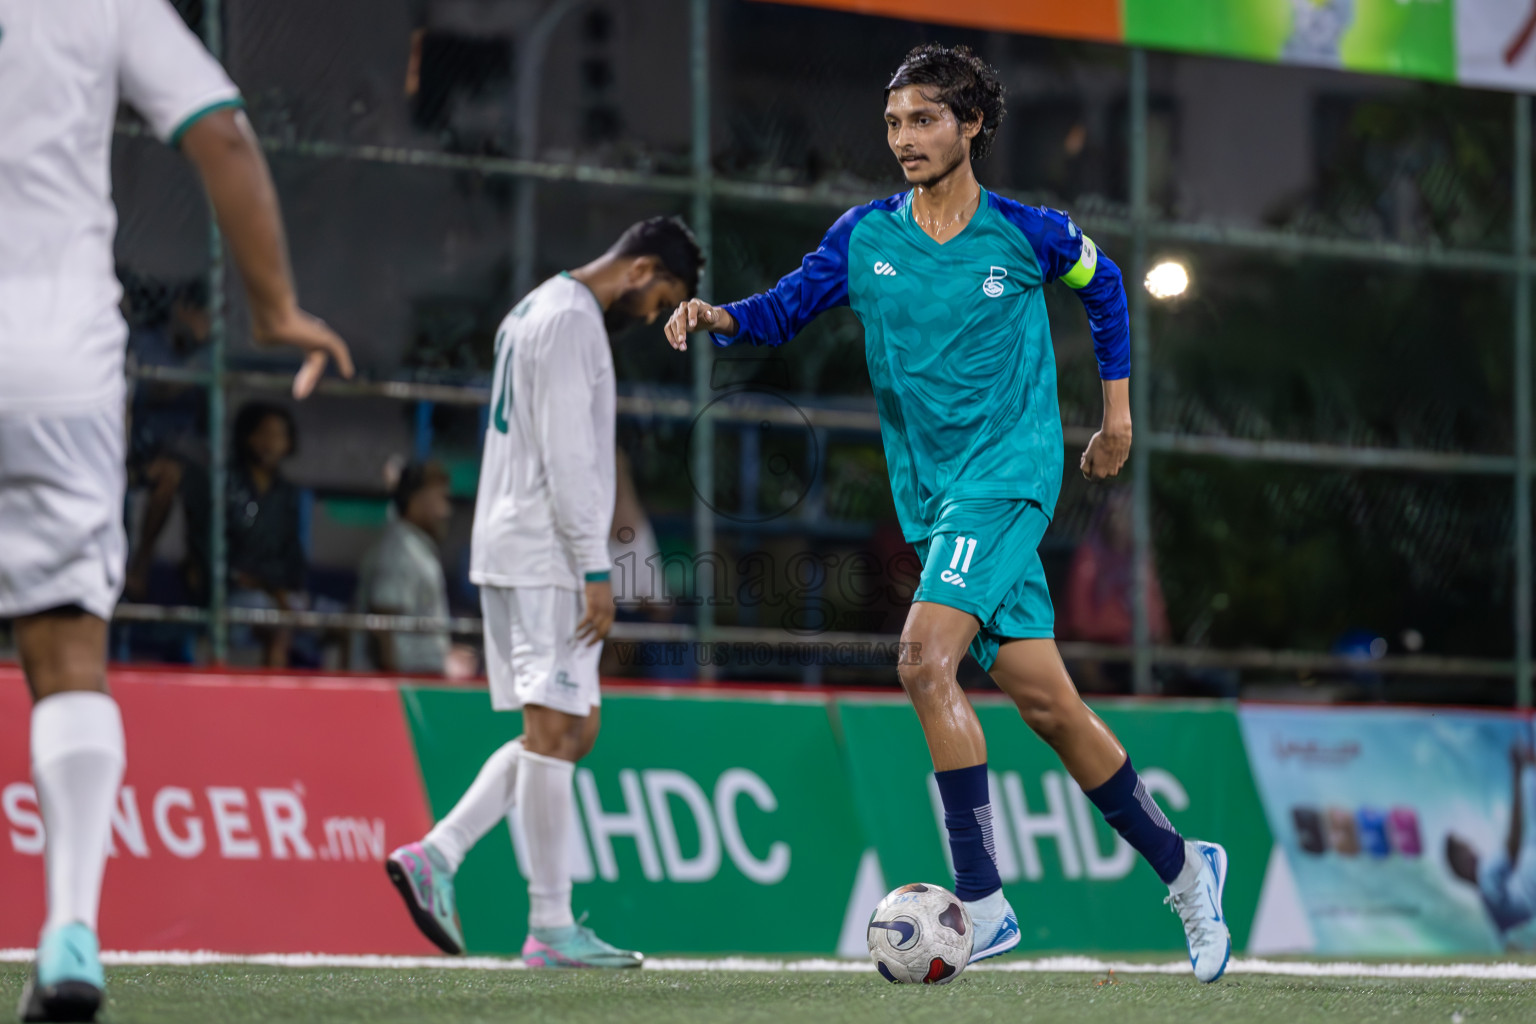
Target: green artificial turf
(226,993)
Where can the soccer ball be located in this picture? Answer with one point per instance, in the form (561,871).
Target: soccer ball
(920,933)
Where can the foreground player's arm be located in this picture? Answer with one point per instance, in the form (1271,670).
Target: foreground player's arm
(189,102)
(775,316)
(564,430)
(1068,255)
(228,158)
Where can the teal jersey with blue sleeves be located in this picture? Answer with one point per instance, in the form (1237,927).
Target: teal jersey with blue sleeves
(957,340)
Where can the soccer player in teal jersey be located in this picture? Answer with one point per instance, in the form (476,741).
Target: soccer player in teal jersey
(947,279)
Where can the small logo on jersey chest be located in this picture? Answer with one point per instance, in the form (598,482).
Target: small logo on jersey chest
(884,269)
(992,287)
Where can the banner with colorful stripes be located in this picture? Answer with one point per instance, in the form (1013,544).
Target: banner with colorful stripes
(1484,43)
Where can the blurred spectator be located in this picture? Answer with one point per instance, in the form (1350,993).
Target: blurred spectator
(639,582)
(403,575)
(266,559)
(1098,593)
(174,333)
(632,543)
(167,422)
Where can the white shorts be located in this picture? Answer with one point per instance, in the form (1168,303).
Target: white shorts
(530,654)
(62,541)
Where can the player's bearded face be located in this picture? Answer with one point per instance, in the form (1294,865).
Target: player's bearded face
(643,303)
(924,135)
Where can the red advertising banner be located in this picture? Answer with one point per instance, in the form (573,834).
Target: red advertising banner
(1079,19)
(254,816)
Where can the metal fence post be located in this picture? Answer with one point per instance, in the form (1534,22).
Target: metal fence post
(1522,250)
(703,438)
(1141,381)
(218,333)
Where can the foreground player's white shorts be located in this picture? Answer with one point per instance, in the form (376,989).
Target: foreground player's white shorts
(61,512)
(530,655)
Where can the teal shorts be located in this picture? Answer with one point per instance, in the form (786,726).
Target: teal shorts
(983,557)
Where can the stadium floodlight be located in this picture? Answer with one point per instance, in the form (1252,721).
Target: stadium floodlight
(1168,280)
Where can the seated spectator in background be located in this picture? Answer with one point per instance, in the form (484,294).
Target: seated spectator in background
(1098,592)
(167,422)
(403,575)
(637,576)
(639,581)
(265,547)
(1505,877)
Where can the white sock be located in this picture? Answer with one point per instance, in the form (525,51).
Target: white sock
(1190,873)
(988,908)
(484,803)
(546,804)
(77,765)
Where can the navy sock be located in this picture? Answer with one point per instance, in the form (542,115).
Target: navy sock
(968,819)
(1126,804)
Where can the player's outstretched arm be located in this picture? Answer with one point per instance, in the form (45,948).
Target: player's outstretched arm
(698,315)
(228,158)
(1109,448)
(778,314)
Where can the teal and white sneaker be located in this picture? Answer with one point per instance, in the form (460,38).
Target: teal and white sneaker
(423,878)
(1196,897)
(67,981)
(994,927)
(575,946)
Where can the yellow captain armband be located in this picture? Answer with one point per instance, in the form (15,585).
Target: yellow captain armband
(1082,271)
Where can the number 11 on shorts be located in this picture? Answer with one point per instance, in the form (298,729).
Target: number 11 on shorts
(964,546)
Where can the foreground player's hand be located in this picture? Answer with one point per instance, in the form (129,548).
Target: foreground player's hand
(1107,451)
(697,315)
(598,620)
(297,329)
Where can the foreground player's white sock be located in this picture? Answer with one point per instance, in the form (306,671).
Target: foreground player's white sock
(546,804)
(1189,874)
(77,765)
(484,803)
(989,908)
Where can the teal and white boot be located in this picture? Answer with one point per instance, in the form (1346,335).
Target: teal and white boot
(575,946)
(67,980)
(426,884)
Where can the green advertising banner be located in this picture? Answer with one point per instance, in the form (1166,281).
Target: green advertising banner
(1074,883)
(1412,38)
(699,821)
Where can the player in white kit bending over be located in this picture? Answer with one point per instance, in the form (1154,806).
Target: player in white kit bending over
(540,557)
(63,66)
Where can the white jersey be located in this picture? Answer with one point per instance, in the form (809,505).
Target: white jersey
(547,478)
(62,66)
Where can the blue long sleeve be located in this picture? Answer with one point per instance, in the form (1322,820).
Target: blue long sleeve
(1068,255)
(820,284)
(1109,321)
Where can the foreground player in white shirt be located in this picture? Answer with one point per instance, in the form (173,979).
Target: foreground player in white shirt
(63,66)
(540,557)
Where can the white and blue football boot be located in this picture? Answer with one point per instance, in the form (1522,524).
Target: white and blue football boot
(994,927)
(1196,897)
(67,980)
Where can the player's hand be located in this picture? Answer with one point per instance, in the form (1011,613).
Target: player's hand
(598,619)
(297,329)
(1107,451)
(697,315)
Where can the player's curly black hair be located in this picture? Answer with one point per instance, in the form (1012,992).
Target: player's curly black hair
(962,81)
